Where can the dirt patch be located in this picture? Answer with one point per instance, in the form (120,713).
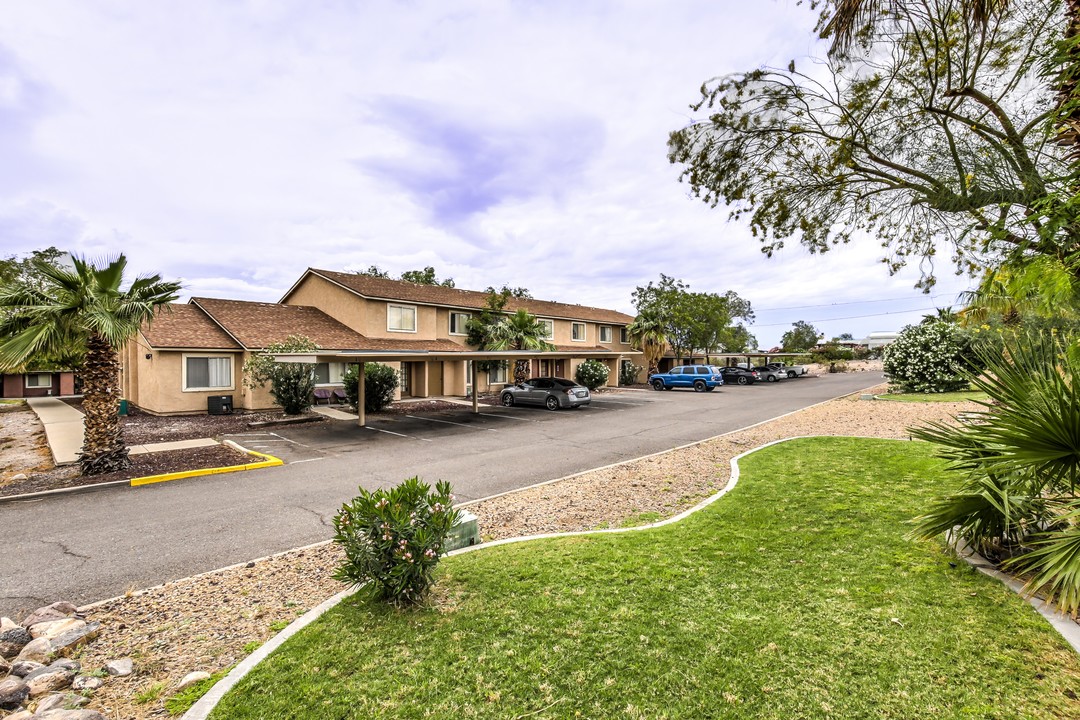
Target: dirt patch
(23,449)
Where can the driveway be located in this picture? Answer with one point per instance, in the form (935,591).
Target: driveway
(92,546)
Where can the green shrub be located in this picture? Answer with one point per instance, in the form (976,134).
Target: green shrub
(291,384)
(931,357)
(393,539)
(831,352)
(592,374)
(380,382)
(629,372)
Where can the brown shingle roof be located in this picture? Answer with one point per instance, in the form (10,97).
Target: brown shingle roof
(186,326)
(381,288)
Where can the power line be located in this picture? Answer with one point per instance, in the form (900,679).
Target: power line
(852,317)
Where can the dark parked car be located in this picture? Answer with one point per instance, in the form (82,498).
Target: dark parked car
(552,393)
(703,378)
(739,376)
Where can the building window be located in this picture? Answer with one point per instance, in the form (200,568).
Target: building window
(624,336)
(577,331)
(605,334)
(497,374)
(457,323)
(401,318)
(549,326)
(39,380)
(205,372)
(329,373)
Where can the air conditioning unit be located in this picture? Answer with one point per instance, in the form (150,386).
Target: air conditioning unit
(219,405)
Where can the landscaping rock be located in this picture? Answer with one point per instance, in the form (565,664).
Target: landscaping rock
(22,668)
(61,701)
(75,638)
(70,715)
(21,715)
(13,640)
(55,628)
(13,692)
(72,665)
(37,650)
(86,682)
(48,679)
(192,678)
(120,668)
(7,623)
(5,667)
(56,611)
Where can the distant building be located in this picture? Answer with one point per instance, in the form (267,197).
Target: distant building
(876,340)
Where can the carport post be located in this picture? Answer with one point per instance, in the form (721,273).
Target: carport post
(361,396)
(472,372)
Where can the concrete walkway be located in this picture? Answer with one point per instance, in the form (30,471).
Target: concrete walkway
(332,413)
(64,431)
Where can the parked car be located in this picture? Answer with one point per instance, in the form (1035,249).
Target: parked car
(792,371)
(768,374)
(703,378)
(739,376)
(551,392)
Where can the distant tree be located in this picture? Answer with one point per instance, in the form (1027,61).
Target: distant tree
(426,277)
(941,315)
(739,339)
(291,384)
(22,269)
(374,271)
(686,321)
(845,337)
(57,310)
(520,331)
(801,337)
(520,293)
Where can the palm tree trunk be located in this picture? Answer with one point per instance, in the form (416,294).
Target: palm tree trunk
(103,442)
(521,371)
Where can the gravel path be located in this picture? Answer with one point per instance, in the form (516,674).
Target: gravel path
(211,621)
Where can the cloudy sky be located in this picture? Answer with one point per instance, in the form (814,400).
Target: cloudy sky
(233,144)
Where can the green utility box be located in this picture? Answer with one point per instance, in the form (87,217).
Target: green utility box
(465,532)
(123,408)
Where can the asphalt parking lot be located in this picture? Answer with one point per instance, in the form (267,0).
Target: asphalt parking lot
(96,545)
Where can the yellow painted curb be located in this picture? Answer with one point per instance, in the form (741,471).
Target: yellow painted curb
(269,461)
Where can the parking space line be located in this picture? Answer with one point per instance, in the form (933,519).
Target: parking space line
(388,432)
(507,417)
(447,422)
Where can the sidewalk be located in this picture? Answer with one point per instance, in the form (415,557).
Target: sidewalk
(64,431)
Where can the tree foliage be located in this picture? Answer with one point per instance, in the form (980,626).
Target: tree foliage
(291,384)
(380,382)
(934,125)
(520,331)
(81,314)
(420,277)
(801,337)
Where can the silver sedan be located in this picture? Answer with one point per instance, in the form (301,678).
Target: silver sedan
(552,393)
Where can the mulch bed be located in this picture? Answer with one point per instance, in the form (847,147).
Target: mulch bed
(141,466)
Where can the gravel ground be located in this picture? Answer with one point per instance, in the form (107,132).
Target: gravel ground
(211,621)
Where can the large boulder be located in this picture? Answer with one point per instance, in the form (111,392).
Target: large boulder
(48,679)
(75,637)
(5,667)
(39,650)
(56,611)
(70,715)
(22,668)
(61,701)
(13,693)
(54,628)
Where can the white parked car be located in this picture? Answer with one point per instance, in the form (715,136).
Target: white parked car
(792,371)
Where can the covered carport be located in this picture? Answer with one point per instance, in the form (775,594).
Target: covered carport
(359,357)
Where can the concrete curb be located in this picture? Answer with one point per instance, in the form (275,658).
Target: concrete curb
(205,705)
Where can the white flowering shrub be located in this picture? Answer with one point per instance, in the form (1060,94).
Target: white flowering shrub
(393,539)
(931,358)
(592,374)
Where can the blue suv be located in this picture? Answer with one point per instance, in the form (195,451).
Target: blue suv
(703,378)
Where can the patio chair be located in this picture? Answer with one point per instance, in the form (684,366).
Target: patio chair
(340,396)
(322,394)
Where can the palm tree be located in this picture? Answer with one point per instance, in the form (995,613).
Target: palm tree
(520,331)
(81,311)
(647,334)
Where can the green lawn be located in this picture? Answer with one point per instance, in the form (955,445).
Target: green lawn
(958,396)
(795,596)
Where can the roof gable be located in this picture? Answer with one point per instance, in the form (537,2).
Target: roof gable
(401,291)
(256,325)
(186,326)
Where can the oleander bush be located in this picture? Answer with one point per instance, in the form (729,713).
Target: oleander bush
(592,374)
(380,382)
(393,539)
(930,357)
(629,373)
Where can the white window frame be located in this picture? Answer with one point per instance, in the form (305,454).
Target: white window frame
(550,324)
(37,376)
(461,325)
(609,335)
(497,374)
(183,372)
(415,314)
(584,332)
(334,378)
